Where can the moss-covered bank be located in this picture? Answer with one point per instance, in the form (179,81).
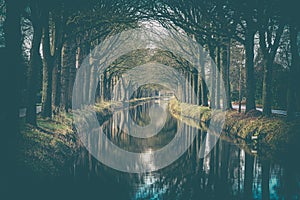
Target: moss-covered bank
(273,136)
(51,148)
(48,149)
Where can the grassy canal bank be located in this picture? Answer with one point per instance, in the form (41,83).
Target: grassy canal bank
(50,148)
(274,136)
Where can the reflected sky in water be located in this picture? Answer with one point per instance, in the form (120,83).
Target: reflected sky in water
(227,172)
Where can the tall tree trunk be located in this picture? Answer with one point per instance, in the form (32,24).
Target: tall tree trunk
(105,90)
(81,55)
(102,88)
(294,68)
(229,102)
(250,81)
(57,80)
(213,81)
(267,87)
(203,85)
(225,76)
(57,59)
(47,70)
(68,62)
(218,79)
(199,95)
(35,64)
(269,50)
(240,87)
(10,77)
(65,77)
(189,87)
(87,74)
(72,75)
(195,82)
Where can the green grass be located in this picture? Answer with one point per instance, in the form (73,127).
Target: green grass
(54,126)
(276,135)
(48,149)
(199,113)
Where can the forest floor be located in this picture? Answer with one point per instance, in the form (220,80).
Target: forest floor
(270,137)
(48,149)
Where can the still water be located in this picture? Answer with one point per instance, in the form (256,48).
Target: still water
(226,172)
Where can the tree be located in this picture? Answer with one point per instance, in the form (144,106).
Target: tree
(293,72)
(291,14)
(271,29)
(51,54)
(225,68)
(11,62)
(35,61)
(68,59)
(248,42)
(203,85)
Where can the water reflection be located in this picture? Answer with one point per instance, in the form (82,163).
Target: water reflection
(128,130)
(227,172)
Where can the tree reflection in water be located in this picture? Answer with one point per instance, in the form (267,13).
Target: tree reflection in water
(227,172)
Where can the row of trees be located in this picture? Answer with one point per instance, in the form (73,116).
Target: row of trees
(267,28)
(42,44)
(56,36)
